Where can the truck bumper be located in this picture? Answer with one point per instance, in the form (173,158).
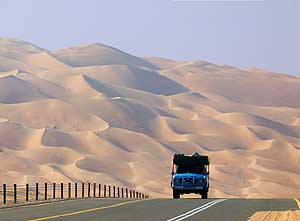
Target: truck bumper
(197,190)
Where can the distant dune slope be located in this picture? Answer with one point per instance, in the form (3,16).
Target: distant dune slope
(95,113)
(98,54)
(251,86)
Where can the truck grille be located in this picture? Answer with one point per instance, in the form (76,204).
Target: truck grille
(188,180)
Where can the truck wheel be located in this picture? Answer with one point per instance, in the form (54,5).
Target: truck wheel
(204,195)
(176,194)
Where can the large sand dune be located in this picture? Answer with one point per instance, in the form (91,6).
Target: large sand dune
(95,113)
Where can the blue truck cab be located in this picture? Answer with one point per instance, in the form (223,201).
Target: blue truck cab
(190,174)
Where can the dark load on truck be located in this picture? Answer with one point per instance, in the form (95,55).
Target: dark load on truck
(194,160)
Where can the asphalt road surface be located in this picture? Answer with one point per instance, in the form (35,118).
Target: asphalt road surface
(146,210)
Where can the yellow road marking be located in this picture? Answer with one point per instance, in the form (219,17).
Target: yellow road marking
(298,203)
(86,211)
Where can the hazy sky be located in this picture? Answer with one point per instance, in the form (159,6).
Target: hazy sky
(264,34)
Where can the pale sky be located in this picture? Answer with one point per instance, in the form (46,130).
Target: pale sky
(264,34)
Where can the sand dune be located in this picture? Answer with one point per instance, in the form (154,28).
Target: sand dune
(15,90)
(47,88)
(265,88)
(98,54)
(135,78)
(17,49)
(95,113)
(44,60)
(7,64)
(51,113)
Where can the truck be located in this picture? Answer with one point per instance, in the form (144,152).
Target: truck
(190,174)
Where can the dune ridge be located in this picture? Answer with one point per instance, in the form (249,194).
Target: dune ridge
(96,113)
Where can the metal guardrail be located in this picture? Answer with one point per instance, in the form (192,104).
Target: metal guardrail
(14,194)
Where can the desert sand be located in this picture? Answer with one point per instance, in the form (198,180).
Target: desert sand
(276,215)
(95,113)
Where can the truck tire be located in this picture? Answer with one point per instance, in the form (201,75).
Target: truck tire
(176,194)
(204,195)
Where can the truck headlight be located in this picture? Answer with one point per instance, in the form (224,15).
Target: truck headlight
(177,181)
(198,182)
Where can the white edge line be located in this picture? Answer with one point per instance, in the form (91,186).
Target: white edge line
(196,209)
(190,211)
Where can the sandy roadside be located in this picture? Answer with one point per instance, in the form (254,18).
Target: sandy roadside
(276,216)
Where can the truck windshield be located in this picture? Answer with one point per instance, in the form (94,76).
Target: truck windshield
(198,170)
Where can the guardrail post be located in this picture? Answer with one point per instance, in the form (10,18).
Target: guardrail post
(75,190)
(94,187)
(130,194)
(37,191)
(27,193)
(122,192)
(82,191)
(89,190)
(4,193)
(54,190)
(61,190)
(15,193)
(99,193)
(114,188)
(126,190)
(69,190)
(104,193)
(118,192)
(46,191)
(109,192)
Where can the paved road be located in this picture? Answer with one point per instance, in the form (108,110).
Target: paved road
(146,210)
